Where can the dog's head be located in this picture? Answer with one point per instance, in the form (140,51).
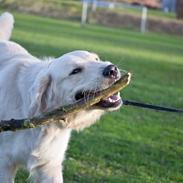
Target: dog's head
(73,77)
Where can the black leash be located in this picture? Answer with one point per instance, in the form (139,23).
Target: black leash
(150,106)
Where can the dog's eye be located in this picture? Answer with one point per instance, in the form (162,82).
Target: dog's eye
(76,71)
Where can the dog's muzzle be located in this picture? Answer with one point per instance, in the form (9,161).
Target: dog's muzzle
(112,74)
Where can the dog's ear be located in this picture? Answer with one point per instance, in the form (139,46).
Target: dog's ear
(40,94)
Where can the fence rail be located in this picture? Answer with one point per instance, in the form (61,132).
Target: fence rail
(112,5)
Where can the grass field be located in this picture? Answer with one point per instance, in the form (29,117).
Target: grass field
(131,145)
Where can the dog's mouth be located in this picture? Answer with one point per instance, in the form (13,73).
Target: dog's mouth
(112,101)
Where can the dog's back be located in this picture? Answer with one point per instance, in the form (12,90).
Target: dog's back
(10,67)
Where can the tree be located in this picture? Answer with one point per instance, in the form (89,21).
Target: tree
(179,9)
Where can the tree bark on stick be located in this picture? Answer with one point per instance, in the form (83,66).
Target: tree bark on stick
(60,115)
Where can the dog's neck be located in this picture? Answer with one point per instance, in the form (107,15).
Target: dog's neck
(52,144)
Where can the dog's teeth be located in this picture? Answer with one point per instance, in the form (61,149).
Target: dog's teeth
(113,99)
(110,100)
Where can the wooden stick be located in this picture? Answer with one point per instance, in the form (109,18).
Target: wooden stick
(60,114)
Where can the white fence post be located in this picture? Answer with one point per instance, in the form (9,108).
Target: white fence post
(84,12)
(111,5)
(94,5)
(144,20)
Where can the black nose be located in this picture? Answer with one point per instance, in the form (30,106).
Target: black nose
(111,71)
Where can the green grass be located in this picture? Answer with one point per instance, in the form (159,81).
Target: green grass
(131,145)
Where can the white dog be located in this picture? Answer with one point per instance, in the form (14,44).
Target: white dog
(29,87)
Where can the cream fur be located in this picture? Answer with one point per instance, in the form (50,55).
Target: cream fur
(30,86)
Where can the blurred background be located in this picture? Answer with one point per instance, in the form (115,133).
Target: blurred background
(145,37)
(156,15)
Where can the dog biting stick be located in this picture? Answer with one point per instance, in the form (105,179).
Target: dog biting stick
(60,115)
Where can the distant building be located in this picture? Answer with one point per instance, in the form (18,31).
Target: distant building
(169,5)
(148,3)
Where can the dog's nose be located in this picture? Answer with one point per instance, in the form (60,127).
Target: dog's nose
(111,71)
